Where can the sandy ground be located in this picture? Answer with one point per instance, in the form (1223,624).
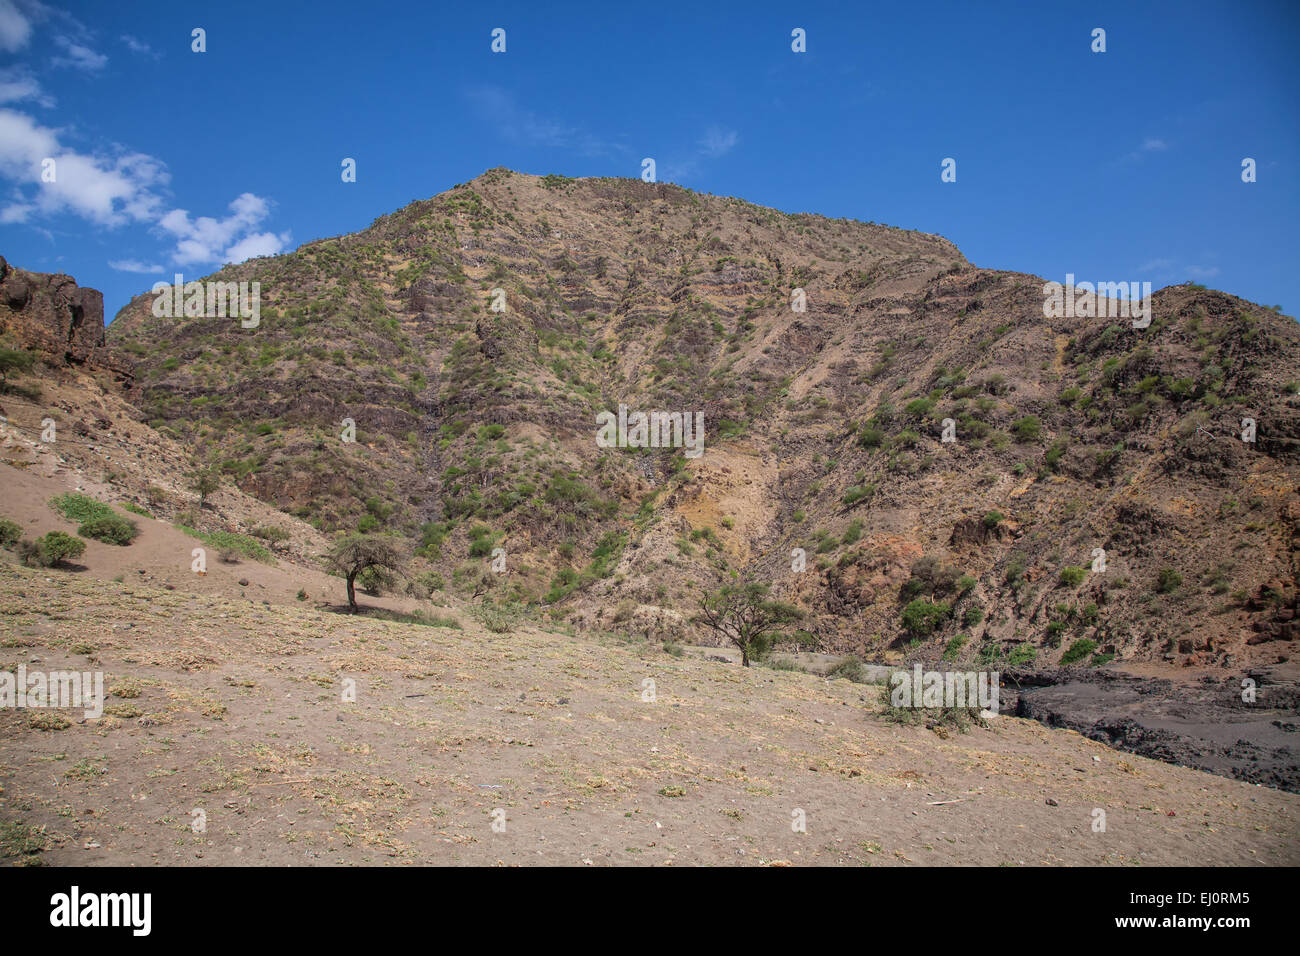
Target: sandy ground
(226,704)
(163,555)
(237,710)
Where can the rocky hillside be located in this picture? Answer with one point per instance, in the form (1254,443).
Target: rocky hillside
(476,429)
(66,424)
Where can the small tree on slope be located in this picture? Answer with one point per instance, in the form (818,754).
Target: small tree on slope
(746,617)
(358,552)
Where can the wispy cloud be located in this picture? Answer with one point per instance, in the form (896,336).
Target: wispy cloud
(1151,144)
(134,265)
(500,110)
(718,142)
(1170,269)
(15,26)
(136,45)
(18,22)
(16,85)
(78,56)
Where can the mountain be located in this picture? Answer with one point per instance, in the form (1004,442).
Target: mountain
(477,429)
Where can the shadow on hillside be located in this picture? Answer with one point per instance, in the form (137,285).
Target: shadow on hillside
(388,614)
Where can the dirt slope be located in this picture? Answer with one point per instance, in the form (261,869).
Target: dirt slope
(236,710)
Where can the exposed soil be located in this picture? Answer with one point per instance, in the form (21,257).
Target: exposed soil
(235,708)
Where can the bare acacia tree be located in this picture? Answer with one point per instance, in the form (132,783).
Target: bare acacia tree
(359,552)
(746,617)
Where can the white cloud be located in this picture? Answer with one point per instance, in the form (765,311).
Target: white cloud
(138,46)
(206,240)
(516,124)
(258,244)
(15,27)
(134,265)
(79,56)
(1156,265)
(717,142)
(114,188)
(18,212)
(1150,144)
(1167,267)
(107,190)
(17,84)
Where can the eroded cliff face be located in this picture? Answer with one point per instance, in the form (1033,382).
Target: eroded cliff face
(53,316)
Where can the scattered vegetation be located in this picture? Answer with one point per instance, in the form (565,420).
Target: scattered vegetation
(51,550)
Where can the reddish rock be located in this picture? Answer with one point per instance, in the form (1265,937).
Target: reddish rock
(53,316)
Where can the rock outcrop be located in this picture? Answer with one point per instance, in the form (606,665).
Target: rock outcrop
(53,316)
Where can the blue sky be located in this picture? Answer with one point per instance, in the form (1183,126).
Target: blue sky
(1123,165)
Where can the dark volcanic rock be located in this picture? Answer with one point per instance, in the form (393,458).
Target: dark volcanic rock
(1205,725)
(51,315)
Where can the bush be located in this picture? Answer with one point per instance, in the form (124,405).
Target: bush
(931,576)
(871,438)
(50,550)
(941,720)
(10,532)
(496,618)
(921,618)
(111,529)
(849,668)
(992,519)
(481,541)
(1078,651)
(229,540)
(14,360)
(1054,454)
(1072,576)
(80,508)
(919,407)
(1168,581)
(858,493)
(1027,428)
(1022,654)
